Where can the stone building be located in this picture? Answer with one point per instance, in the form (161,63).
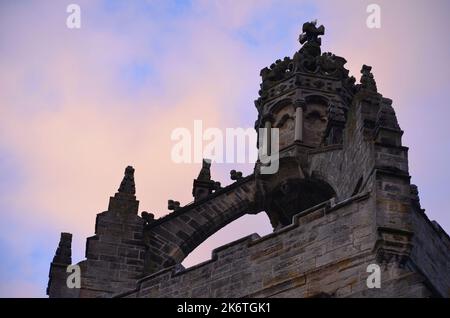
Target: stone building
(340,202)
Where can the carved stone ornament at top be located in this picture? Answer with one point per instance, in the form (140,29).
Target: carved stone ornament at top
(205,172)
(127,185)
(310,38)
(331,64)
(278,71)
(310,60)
(149,218)
(367,79)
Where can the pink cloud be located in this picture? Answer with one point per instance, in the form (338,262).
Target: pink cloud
(77,129)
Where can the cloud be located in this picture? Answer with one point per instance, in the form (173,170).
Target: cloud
(73,123)
(79,124)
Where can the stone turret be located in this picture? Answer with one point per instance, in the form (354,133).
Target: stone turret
(307,98)
(114,255)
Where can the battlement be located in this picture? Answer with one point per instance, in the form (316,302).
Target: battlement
(266,265)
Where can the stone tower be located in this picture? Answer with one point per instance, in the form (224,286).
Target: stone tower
(340,204)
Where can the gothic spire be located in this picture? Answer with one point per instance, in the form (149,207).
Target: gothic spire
(203,185)
(127,185)
(205,172)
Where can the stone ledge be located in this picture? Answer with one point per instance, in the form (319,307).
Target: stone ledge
(325,149)
(304,276)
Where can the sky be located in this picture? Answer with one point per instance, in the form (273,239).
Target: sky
(79,105)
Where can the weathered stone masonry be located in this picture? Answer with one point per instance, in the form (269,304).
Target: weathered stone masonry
(341,200)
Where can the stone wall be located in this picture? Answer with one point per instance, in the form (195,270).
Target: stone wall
(114,256)
(431,252)
(324,252)
(347,168)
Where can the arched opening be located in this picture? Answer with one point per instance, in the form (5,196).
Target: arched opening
(295,195)
(245,225)
(315,120)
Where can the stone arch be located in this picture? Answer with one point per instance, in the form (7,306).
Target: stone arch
(315,119)
(244,226)
(169,240)
(275,108)
(284,119)
(292,190)
(320,176)
(295,195)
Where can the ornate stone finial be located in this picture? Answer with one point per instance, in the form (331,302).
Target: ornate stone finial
(148,217)
(205,172)
(235,175)
(173,205)
(217,186)
(127,185)
(204,185)
(386,116)
(367,79)
(414,192)
(311,33)
(310,38)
